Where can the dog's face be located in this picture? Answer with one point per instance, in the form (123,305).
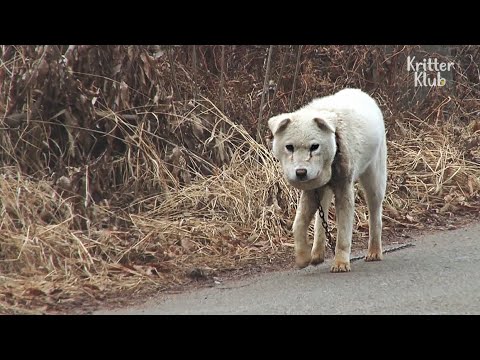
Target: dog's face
(304,143)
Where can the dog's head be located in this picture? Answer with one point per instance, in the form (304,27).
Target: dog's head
(304,143)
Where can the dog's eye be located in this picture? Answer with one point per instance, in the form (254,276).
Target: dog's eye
(314,147)
(289,147)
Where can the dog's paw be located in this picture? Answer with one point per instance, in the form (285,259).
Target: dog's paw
(302,259)
(340,266)
(374,256)
(317,258)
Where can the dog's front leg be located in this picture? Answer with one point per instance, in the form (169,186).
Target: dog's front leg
(325,195)
(344,207)
(305,210)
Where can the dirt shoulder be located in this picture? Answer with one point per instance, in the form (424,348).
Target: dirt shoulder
(436,276)
(283,260)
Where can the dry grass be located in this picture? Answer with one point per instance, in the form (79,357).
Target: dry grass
(121,196)
(218,221)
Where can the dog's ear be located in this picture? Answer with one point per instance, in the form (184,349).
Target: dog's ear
(278,123)
(324,125)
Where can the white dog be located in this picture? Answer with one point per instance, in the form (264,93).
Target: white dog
(325,147)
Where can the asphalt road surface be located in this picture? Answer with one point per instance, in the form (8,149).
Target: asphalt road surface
(439,275)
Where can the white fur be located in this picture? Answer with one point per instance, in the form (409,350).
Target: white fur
(311,133)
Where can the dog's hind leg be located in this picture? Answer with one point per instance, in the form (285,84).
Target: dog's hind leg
(374,183)
(303,218)
(325,195)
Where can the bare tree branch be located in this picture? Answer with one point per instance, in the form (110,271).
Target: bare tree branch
(265,87)
(297,68)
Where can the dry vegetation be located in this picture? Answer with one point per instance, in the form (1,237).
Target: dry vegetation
(129,167)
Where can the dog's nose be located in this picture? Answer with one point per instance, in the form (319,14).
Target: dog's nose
(301,173)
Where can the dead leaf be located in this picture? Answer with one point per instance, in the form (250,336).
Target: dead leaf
(476,126)
(197,128)
(261,244)
(145,270)
(470,184)
(362,225)
(34,292)
(186,244)
(394,212)
(445,208)
(448,198)
(200,273)
(91,286)
(124,95)
(146,65)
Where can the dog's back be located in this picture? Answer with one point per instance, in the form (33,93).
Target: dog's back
(360,122)
(354,104)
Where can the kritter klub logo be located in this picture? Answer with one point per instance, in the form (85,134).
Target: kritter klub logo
(428,72)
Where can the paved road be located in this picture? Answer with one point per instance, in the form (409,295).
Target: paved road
(440,275)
